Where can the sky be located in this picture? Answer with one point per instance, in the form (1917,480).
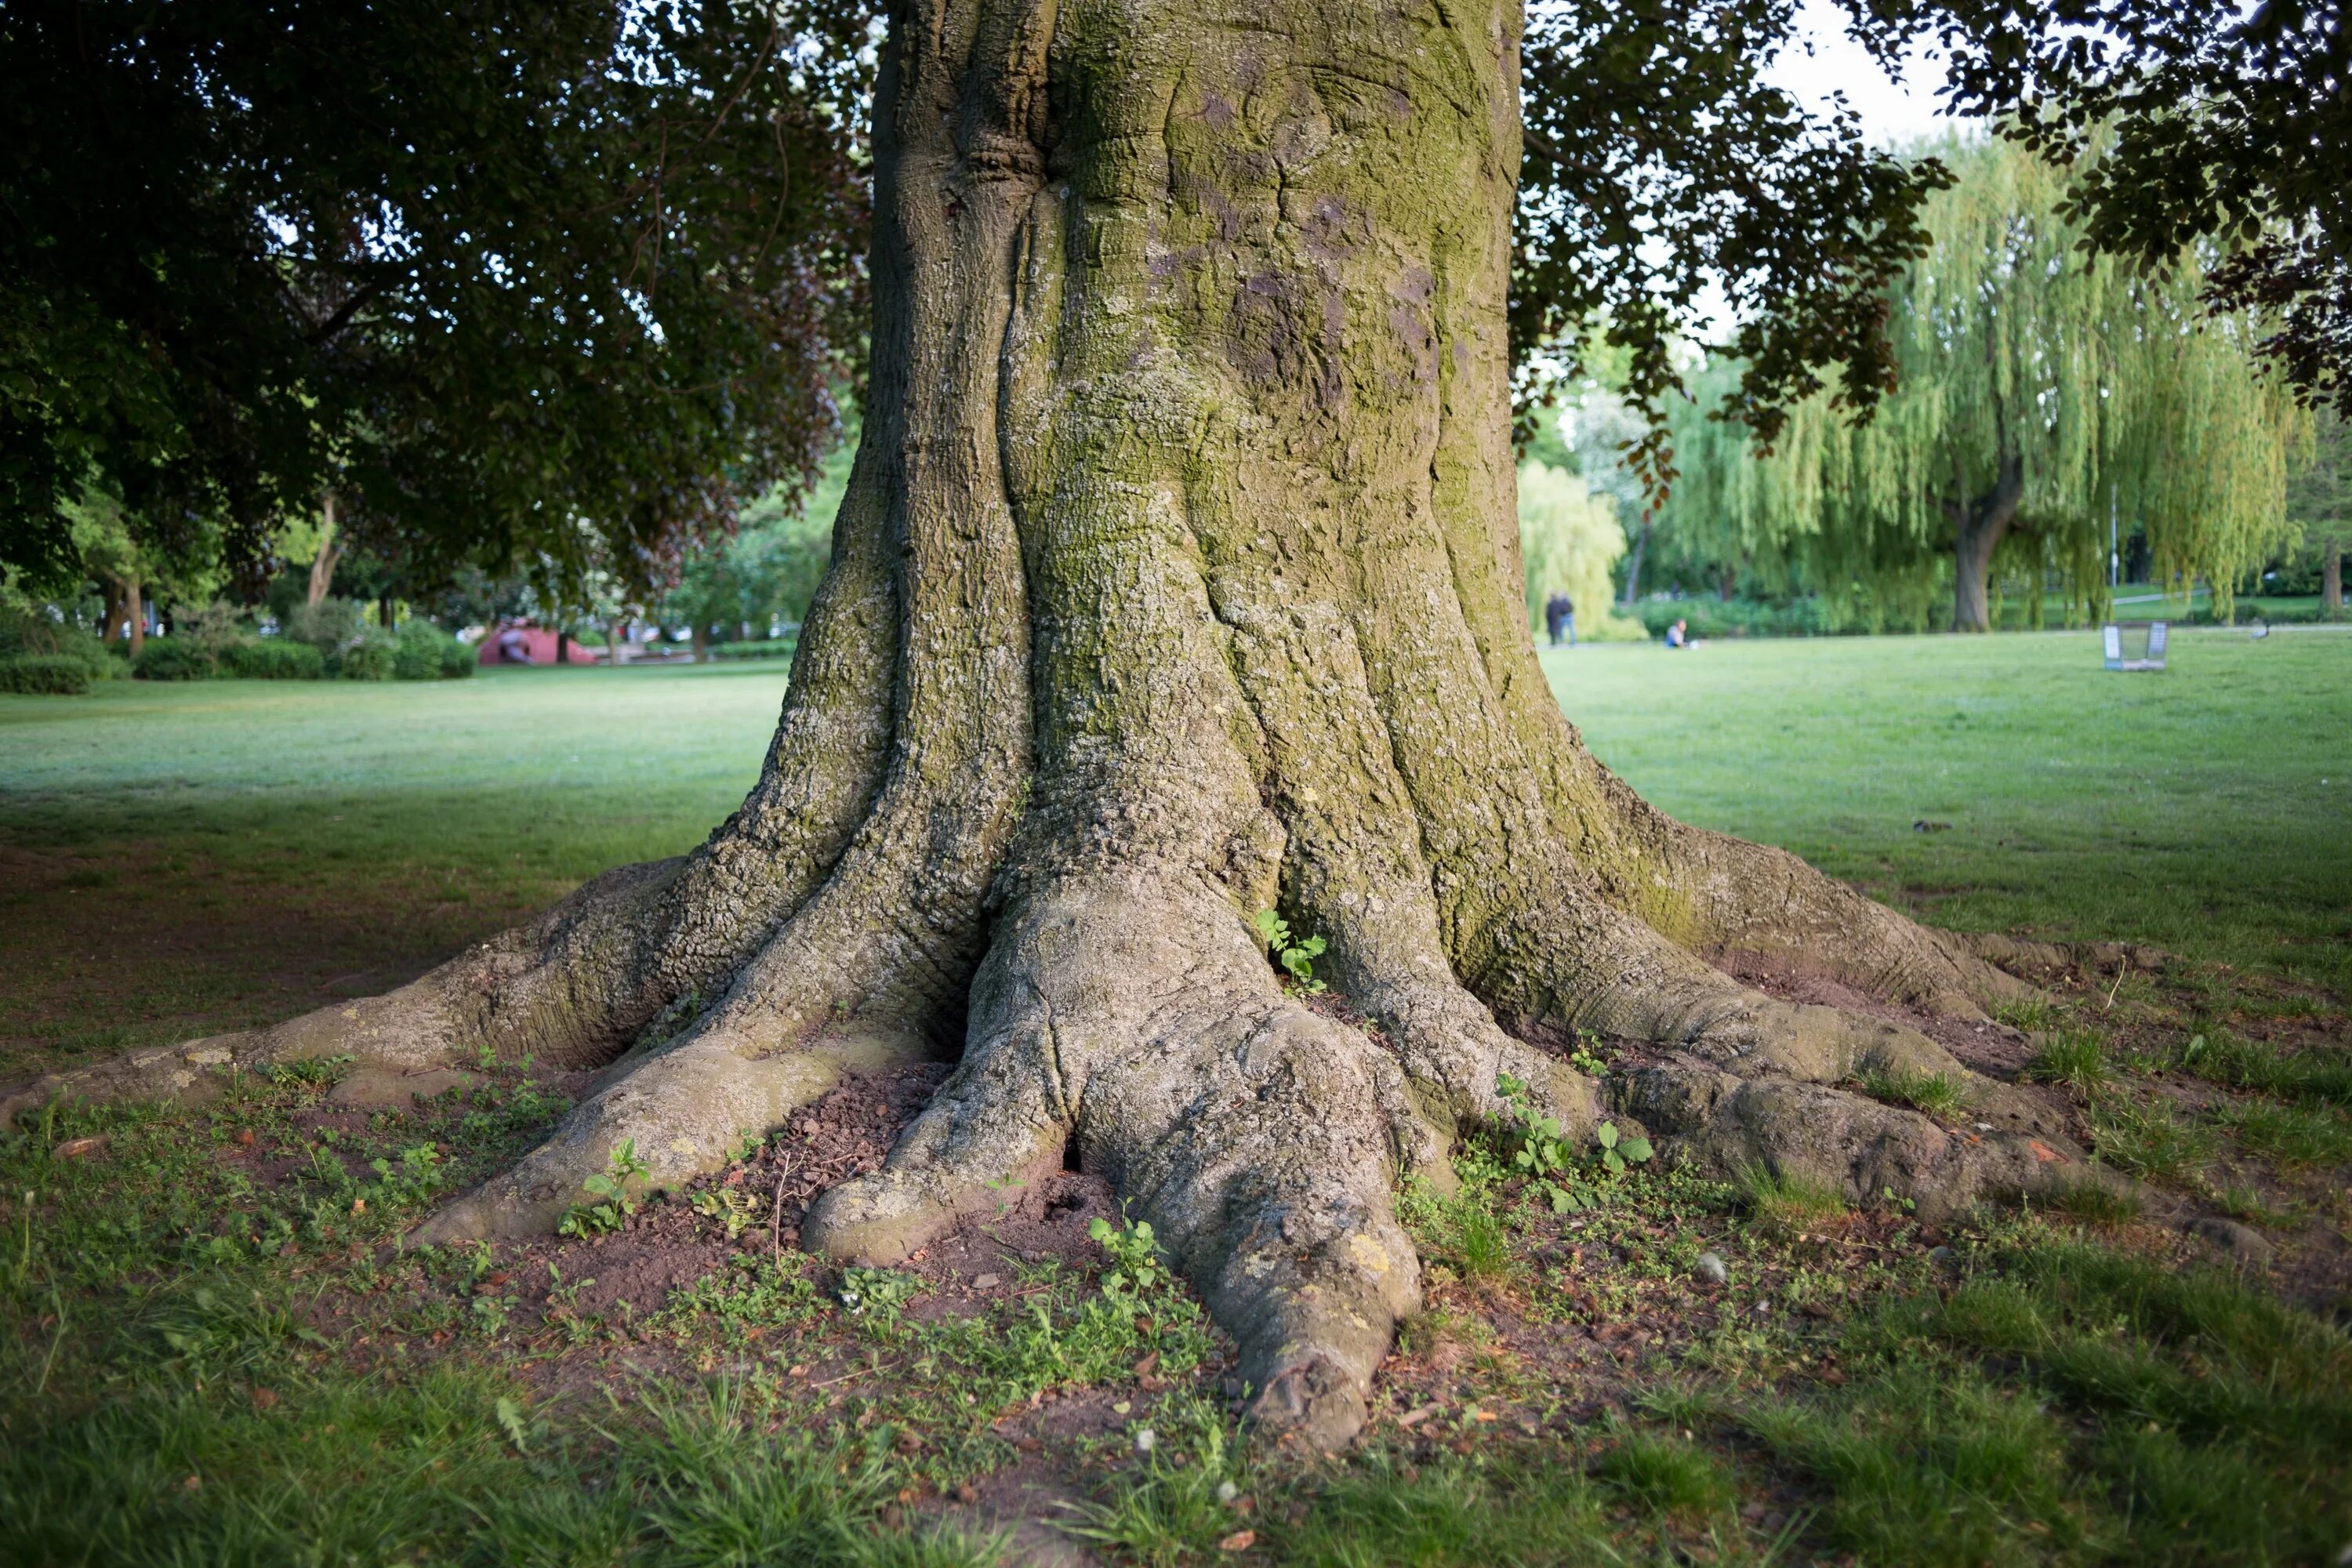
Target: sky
(1891,111)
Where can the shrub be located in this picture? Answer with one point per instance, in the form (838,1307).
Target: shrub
(44,674)
(422,651)
(174,659)
(369,659)
(273,658)
(34,634)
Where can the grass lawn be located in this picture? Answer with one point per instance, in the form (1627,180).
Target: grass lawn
(2207,809)
(210,1350)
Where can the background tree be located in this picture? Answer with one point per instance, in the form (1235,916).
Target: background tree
(2040,393)
(533,285)
(2319,503)
(1177,581)
(1570,541)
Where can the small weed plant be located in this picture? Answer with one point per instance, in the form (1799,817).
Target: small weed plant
(2076,1060)
(1538,1151)
(1784,1204)
(730,1207)
(1931,1093)
(1296,958)
(612,1204)
(2149,1139)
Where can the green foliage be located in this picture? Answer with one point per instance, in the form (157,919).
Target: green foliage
(1538,1151)
(1934,1093)
(1176,1506)
(2147,1138)
(174,659)
(1618,1154)
(1570,538)
(2317,1074)
(611,1203)
(44,674)
(735,1210)
(877,1295)
(422,651)
(1667,1475)
(2107,384)
(273,659)
(1297,959)
(1785,1204)
(1454,1513)
(1137,1274)
(369,658)
(507,309)
(2193,1417)
(2295,1137)
(2074,1057)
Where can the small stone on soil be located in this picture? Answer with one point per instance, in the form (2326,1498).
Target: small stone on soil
(1710,1268)
(985,1282)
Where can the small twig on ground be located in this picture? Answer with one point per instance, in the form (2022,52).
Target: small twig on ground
(2122,970)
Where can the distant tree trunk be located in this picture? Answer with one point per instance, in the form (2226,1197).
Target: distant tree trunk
(383,611)
(1633,564)
(1978,528)
(2331,576)
(1730,581)
(134,615)
(562,648)
(111,617)
(701,643)
(613,643)
(322,565)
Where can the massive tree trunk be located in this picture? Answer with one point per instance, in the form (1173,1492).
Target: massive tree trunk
(1178,579)
(1979,526)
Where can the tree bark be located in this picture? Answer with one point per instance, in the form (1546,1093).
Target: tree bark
(2331,577)
(134,616)
(322,565)
(1978,528)
(1634,565)
(1178,579)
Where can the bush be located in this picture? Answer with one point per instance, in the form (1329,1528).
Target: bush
(370,658)
(174,659)
(273,658)
(34,633)
(44,674)
(422,651)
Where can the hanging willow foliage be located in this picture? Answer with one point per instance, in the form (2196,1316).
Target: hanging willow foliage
(2104,386)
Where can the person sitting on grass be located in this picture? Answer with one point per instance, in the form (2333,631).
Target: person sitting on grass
(1678,635)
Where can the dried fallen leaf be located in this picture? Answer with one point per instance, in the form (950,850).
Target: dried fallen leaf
(264,1398)
(75,1148)
(1239,1541)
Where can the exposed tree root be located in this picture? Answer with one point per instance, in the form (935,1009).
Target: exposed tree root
(1260,1139)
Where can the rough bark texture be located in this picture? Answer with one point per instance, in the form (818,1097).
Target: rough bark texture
(2331,578)
(1177,579)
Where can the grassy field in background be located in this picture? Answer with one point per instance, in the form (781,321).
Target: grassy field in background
(213,855)
(2207,808)
(221,853)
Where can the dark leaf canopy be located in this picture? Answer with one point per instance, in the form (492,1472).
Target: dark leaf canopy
(564,282)
(562,279)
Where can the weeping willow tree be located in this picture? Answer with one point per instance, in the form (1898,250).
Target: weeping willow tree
(1570,539)
(2046,398)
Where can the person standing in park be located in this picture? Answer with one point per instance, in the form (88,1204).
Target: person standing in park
(1560,615)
